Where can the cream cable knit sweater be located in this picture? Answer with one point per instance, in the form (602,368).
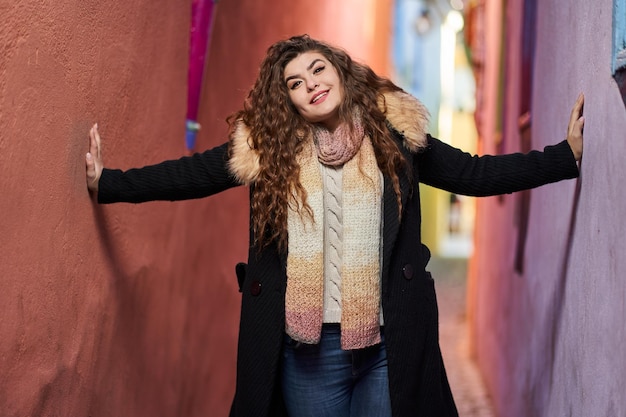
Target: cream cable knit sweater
(333,243)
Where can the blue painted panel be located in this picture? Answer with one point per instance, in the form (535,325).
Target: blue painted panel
(619,35)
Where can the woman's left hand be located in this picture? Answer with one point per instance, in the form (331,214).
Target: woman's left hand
(575,128)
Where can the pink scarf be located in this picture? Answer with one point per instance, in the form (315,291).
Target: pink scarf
(338,147)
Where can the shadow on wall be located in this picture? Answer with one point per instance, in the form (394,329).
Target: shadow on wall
(540,396)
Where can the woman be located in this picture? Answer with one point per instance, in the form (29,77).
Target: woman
(339,315)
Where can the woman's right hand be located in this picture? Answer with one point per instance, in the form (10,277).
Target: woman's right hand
(93,159)
(575,128)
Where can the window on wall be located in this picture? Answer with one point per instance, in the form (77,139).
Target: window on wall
(619,45)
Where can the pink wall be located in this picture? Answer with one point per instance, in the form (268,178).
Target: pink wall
(550,341)
(128,310)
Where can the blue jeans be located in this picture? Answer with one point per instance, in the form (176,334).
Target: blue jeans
(324,381)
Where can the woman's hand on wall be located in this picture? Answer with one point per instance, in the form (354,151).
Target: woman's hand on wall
(93,159)
(575,128)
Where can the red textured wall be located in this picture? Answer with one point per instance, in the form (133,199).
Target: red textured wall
(129,310)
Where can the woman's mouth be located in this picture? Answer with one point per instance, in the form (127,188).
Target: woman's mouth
(319,97)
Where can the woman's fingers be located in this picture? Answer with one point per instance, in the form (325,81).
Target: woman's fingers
(576,127)
(94,141)
(577,112)
(93,159)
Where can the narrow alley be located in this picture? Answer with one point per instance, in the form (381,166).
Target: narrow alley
(128,309)
(467,386)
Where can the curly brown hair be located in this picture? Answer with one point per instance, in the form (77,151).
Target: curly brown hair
(278,133)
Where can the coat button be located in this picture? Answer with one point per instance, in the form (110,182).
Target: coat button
(255,288)
(407,270)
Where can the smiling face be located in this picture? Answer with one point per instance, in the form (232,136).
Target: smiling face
(315,88)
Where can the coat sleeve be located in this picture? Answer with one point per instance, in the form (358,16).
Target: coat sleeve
(443,166)
(196,176)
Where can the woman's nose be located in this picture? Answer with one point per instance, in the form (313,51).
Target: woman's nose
(312,85)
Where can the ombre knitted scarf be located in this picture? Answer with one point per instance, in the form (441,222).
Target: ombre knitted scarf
(360,275)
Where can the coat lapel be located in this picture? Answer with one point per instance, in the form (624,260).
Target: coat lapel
(391,222)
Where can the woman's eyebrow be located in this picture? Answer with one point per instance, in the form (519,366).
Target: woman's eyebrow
(315,61)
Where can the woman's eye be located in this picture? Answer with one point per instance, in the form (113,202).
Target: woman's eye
(318,69)
(295,85)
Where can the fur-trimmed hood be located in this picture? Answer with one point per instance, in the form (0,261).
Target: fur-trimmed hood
(404,112)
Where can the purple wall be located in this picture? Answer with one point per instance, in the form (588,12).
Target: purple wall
(550,340)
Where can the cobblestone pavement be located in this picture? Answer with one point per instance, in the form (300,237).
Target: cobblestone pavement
(467,386)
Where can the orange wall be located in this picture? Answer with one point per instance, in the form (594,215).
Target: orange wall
(129,310)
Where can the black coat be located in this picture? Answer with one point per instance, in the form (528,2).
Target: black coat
(417,378)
